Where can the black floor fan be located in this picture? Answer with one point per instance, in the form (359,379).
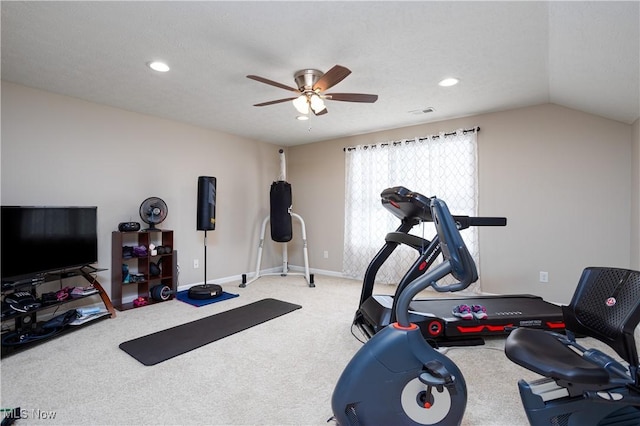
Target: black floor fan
(206,221)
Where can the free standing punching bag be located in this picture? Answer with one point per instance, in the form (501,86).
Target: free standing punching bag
(280,214)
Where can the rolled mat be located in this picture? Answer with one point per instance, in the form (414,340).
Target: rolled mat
(163,345)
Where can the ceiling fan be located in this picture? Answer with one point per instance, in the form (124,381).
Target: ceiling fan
(311,87)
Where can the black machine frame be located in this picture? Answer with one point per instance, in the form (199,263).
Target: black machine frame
(434,315)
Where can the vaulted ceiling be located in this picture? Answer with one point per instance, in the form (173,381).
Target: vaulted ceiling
(583,55)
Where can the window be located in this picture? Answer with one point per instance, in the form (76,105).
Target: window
(443,165)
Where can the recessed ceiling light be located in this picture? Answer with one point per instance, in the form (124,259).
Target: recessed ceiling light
(302,117)
(158,66)
(449,82)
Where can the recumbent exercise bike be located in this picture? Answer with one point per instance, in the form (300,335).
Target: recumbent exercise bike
(585,386)
(397,378)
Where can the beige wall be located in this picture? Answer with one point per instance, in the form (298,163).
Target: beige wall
(635,197)
(567,181)
(58,150)
(560,176)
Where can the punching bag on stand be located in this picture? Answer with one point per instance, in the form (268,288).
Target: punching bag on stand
(281,202)
(281,217)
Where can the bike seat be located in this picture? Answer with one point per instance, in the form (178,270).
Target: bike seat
(543,353)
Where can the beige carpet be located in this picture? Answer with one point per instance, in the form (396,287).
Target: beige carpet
(281,372)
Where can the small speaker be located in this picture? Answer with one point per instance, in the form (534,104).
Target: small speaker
(128,226)
(206,220)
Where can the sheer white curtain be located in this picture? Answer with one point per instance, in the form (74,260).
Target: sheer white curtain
(443,165)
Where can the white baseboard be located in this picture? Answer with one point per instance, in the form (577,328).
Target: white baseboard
(238,278)
(317,271)
(230,279)
(275,270)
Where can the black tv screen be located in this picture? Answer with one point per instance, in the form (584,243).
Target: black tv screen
(36,240)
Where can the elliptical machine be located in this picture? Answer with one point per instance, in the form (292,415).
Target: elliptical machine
(397,377)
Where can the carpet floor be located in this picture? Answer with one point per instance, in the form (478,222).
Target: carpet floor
(281,372)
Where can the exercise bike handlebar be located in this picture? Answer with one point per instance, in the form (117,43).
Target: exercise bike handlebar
(457,262)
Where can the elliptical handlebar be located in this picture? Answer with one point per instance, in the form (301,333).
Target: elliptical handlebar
(457,262)
(466,221)
(409,205)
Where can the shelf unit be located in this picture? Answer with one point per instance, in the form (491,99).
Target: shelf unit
(28,321)
(142,265)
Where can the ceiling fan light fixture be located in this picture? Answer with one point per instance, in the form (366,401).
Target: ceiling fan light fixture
(317,104)
(301,104)
(448,82)
(312,85)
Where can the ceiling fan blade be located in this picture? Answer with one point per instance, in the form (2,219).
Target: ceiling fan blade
(351,97)
(274,102)
(332,77)
(271,82)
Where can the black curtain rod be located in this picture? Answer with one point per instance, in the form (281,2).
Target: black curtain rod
(475,129)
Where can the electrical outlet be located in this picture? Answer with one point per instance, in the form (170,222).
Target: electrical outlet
(196,264)
(326,254)
(544,277)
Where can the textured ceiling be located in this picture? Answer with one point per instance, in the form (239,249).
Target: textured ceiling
(583,55)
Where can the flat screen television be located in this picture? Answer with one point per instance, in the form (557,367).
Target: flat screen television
(37,240)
